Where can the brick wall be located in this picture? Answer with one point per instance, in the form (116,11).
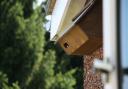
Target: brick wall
(92,79)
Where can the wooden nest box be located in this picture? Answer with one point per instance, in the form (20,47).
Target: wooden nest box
(79,30)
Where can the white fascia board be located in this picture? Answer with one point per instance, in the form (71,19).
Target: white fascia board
(58,16)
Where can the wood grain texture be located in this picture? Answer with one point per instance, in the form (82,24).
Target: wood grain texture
(92,79)
(86,35)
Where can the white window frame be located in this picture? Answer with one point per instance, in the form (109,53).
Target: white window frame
(110,40)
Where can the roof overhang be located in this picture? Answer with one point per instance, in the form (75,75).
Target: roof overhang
(50,6)
(65,14)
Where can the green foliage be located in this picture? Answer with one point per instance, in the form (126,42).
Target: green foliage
(26,55)
(64,81)
(45,75)
(4,83)
(46,78)
(14,86)
(3,78)
(22,43)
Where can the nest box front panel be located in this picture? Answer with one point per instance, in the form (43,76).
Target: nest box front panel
(73,40)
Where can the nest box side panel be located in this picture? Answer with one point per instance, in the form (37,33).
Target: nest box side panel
(91,22)
(89,46)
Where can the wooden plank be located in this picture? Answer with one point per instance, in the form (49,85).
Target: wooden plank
(86,36)
(73,40)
